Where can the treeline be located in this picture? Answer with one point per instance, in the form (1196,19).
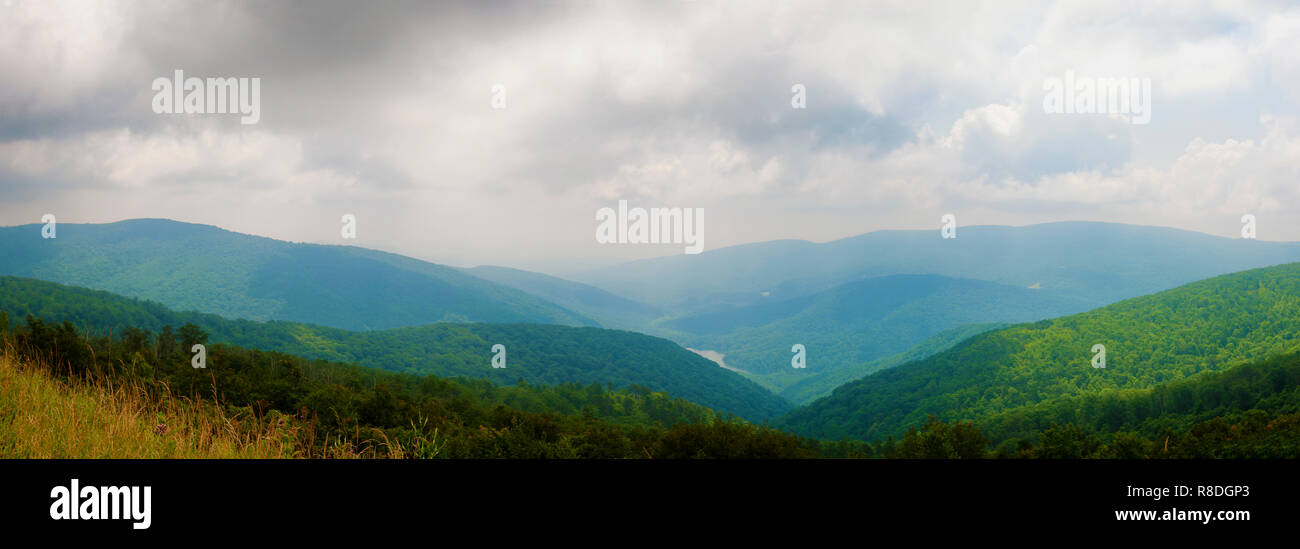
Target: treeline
(1248,411)
(1150,341)
(1270,386)
(327,409)
(1255,434)
(328,406)
(538,354)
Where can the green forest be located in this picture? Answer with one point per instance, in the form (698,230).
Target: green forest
(535,353)
(1207,370)
(186,267)
(324,409)
(1020,379)
(331,404)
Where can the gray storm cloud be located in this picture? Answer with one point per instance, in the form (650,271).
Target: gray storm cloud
(385,110)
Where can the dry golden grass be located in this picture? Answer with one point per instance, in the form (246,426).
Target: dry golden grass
(43,417)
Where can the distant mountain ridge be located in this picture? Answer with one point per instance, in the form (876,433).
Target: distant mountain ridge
(1103,262)
(611,310)
(203,268)
(752,302)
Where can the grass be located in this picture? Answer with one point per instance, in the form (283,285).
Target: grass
(45,417)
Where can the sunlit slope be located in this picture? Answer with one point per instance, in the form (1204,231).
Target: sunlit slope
(1207,325)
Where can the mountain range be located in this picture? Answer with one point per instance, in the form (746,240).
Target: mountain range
(880,314)
(534,353)
(203,268)
(855,302)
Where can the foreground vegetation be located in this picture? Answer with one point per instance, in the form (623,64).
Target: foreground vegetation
(66,395)
(538,354)
(104,387)
(251,403)
(43,417)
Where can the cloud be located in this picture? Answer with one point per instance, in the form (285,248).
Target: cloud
(386,112)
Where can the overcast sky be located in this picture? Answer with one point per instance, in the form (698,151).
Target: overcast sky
(384,110)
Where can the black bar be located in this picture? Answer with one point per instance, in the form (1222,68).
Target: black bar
(241,500)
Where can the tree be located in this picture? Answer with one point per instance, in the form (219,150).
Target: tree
(191,334)
(166,343)
(1062,442)
(938,440)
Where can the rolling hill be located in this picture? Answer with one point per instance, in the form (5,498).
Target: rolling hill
(1209,325)
(610,310)
(203,268)
(852,304)
(805,389)
(535,353)
(847,329)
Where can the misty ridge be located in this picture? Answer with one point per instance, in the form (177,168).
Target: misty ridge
(544,171)
(876,312)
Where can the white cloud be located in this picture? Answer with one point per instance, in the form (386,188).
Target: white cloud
(911,110)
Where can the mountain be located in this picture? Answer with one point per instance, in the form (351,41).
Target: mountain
(534,353)
(64,394)
(855,302)
(610,310)
(1268,389)
(805,389)
(846,329)
(203,268)
(1209,325)
(1100,262)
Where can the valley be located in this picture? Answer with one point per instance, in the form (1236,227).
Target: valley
(894,340)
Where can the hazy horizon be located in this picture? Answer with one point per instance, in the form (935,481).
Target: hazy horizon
(491,134)
(572,274)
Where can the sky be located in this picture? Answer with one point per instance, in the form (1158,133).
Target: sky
(492,132)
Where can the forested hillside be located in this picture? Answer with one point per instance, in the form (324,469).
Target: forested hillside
(64,394)
(847,329)
(537,354)
(203,268)
(805,389)
(610,310)
(1209,325)
(856,301)
(1250,391)
(248,403)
